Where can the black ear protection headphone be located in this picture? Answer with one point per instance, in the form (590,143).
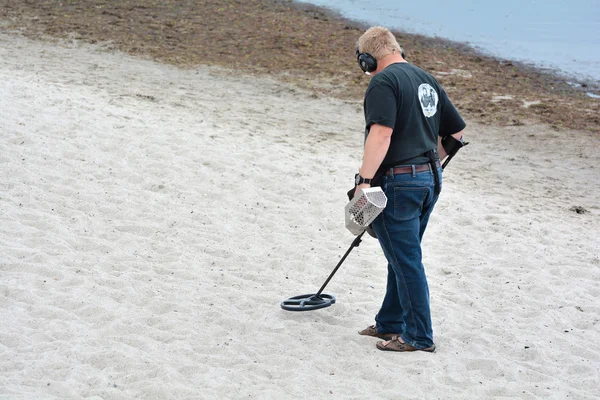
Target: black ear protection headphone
(367,62)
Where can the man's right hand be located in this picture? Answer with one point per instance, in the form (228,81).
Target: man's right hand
(361,186)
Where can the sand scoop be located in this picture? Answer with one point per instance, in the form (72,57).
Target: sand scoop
(360,212)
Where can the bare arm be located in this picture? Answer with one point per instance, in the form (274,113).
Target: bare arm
(441,151)
(376,147)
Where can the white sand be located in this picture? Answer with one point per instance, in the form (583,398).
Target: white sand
(152,219)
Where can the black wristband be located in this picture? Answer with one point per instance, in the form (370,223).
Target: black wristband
(359,180)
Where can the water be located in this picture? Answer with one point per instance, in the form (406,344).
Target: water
(555,34)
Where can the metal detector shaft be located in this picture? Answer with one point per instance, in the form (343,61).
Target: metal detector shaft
(354,244)
(447,161)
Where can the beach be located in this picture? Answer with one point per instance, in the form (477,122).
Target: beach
(155,214)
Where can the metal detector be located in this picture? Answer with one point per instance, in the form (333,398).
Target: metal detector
(360,212)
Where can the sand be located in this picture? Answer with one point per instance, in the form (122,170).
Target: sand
(152,218)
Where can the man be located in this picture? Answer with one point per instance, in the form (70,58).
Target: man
(409,123)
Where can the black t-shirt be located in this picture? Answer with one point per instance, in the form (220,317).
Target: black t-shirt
(413,103)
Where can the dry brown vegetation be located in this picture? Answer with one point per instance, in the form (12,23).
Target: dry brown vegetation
(305,45)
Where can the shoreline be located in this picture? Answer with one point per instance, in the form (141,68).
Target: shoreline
(351,11)
(311,47)
(577,83)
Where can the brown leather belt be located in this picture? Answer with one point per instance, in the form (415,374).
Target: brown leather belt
(409,169)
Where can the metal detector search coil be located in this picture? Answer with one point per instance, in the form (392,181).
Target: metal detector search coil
(364,208)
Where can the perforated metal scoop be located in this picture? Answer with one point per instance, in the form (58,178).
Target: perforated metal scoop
(364,208)
(360,212)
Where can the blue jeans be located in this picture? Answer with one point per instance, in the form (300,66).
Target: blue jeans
(399,228)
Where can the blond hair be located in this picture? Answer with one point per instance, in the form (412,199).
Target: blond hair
(379,42)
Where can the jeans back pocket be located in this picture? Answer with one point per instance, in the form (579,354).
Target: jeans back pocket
(409,201)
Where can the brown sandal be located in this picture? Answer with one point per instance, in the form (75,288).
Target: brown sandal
(396,345)
(372,331)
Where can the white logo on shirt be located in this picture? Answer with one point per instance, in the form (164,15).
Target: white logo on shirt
(428,98)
